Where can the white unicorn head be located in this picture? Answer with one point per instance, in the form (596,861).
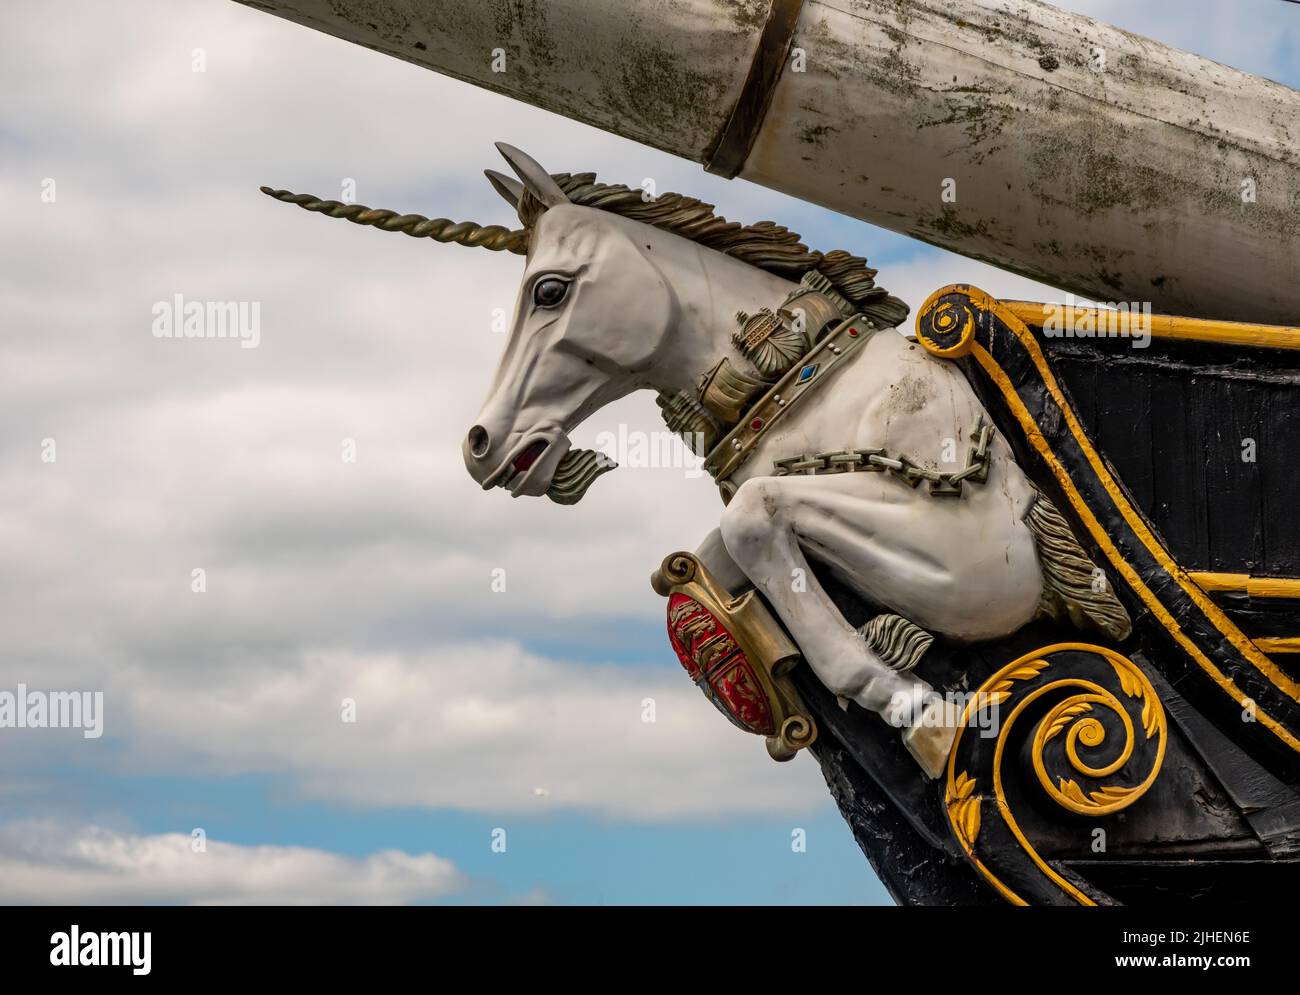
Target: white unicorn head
(621,292)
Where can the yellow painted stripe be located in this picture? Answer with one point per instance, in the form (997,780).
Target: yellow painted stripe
(1287,644)
(1214,583)
(1255,587)
(1135,520)
(1034,434)
(1164,326)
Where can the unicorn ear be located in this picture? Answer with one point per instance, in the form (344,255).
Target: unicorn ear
(508,187)
(536,179)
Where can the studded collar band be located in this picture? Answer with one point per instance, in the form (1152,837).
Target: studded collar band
(738,444)
(769,343)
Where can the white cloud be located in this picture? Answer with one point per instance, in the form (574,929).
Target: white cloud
(54,863)
(916,279)
(323,578)
(478,726)
(328,579)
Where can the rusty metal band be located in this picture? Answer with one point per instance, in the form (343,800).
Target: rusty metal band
(727,155)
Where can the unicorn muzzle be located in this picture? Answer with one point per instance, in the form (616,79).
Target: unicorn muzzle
(529,468)
(538,465)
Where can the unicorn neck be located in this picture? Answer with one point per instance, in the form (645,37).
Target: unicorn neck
(710,289)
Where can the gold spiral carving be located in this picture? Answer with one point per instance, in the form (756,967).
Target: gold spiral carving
(679,568)
(1075,717)
(798,731)
(947,326)
(1073,724)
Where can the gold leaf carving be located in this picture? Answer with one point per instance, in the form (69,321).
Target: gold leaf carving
(1129,683)
(1064,718)
(1032,669)
(1111,793)
(1150,717)
(965,785)
(970,819)
(964,808)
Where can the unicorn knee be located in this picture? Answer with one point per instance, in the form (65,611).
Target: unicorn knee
(712,552)
(750,518)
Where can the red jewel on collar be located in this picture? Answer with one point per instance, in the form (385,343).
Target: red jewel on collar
(756,424)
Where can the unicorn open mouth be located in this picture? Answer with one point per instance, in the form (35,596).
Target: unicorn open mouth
(529,456)
(514,471)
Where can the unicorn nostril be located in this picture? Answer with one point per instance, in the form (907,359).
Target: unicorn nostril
(478,441)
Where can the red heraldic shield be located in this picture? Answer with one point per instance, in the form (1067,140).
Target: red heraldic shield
(717,664)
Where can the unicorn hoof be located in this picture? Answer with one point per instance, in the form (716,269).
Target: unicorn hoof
(931,737)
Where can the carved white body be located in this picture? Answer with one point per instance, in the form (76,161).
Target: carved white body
(644,308)
(962,567)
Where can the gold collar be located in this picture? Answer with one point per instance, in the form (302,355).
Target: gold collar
(797,383)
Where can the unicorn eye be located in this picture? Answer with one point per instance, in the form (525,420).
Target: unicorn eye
(549,292)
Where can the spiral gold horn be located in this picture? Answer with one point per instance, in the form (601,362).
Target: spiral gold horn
(493,237)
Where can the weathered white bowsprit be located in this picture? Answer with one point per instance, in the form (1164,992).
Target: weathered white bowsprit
(1035,139)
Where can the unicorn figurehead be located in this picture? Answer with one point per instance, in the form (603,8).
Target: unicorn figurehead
(732,325)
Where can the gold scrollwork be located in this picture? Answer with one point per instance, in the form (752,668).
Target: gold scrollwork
(964,809)
(1013,317)
(798,731)
(1075,716)
(1062,745)
(946,326)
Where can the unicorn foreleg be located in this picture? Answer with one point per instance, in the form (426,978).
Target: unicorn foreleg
(712,552)
(762,529)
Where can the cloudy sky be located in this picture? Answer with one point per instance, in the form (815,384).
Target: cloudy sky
(481,715)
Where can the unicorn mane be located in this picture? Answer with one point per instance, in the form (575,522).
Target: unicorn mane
(765,244)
